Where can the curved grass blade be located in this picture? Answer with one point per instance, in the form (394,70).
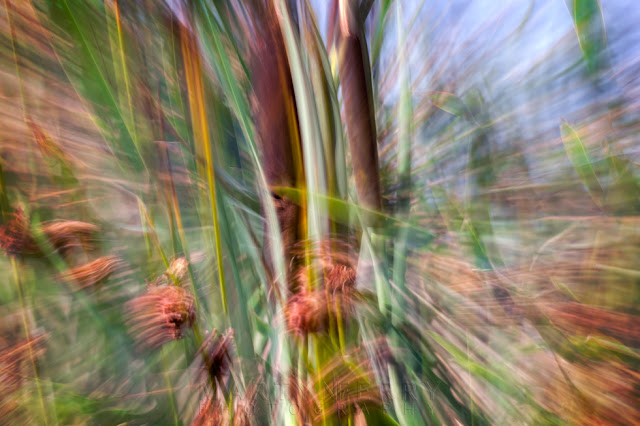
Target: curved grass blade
(581,162)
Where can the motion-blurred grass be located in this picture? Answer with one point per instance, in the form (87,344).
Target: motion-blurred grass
(226,212)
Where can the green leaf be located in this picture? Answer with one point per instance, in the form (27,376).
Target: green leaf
(84,66)
(377,417)
(589,25)
(343,211)
(581,161)
(450,103)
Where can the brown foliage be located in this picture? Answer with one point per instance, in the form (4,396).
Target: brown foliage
(94,272)
(15,370)
(211,413)
(16,238)
(67,234)
(310,311)
(325,289)
(590,320)
(340,278)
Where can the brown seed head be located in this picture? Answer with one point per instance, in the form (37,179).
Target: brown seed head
(216,354)
(161,315)
(15,236)
(307,312)
(311,311)
(92,273)
(340,278)
(67,234)
(176,274)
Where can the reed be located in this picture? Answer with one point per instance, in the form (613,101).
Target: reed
(394,213)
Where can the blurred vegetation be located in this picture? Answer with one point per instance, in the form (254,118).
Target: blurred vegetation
(351,212)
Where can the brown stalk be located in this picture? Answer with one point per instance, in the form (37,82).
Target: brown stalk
(358,105)
(276,122)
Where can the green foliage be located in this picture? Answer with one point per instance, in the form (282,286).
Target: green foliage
(497,284)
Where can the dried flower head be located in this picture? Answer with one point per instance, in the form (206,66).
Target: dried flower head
(161,315)
(330,263)
(65,235)
(216,355)
(15,236)
(325,292)
(17,240)
(312,311)
(179,268)
(176,274)
(210,413)
(307,312)
(94,272)
(340,278)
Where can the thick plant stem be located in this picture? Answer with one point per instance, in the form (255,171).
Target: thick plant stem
(277,125)
(359,111)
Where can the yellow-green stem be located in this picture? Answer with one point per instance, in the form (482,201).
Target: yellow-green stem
(201,133)
(25,323)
